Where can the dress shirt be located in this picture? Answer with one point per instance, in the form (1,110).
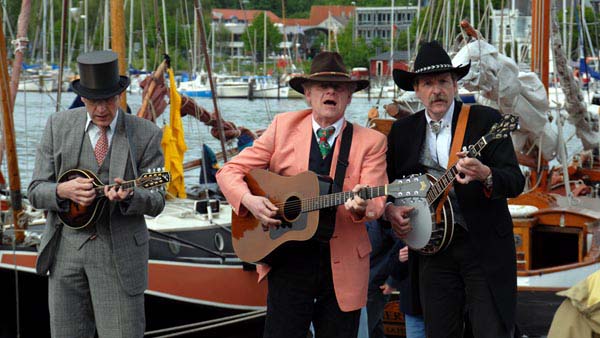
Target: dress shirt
(94,132)
(439,145)
(338,128)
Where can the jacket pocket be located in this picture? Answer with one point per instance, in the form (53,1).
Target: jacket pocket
(141,237)
(364,249)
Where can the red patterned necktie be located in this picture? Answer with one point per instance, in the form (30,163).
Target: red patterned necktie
(101,146)
(323,135)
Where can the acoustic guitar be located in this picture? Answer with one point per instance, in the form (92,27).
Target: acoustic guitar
(299,199)
(79,216)
(429,236)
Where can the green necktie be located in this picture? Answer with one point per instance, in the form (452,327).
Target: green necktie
(323,135)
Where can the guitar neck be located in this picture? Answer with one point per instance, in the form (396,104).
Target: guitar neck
(124,185)
(335,199)
(438,188)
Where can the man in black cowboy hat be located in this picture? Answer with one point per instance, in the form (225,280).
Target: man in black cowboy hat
(476,273)
(97,274)
(323,279)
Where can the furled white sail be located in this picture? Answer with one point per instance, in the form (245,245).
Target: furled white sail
(498,79)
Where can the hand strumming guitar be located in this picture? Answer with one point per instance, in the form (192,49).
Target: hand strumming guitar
(397,215)
(79,190)
(262,209)
(117,193)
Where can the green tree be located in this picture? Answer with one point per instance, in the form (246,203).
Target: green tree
(257,29)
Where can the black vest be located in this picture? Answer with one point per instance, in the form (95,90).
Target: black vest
(322,166)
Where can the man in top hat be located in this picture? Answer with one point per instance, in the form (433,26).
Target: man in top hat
(475,275)
(323,279)
(97,274)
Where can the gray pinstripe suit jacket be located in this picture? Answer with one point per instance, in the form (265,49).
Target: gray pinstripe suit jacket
(59,151)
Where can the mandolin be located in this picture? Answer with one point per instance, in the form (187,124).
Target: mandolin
(79,216)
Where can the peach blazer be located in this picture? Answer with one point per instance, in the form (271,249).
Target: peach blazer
(284,149)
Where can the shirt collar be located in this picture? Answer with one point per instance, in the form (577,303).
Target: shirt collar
(113,123)
(447,118)
(337,124)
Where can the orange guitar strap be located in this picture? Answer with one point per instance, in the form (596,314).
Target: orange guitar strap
(459,136)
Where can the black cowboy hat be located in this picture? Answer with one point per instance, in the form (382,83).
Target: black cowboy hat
(327,67)
(99,76)
(431,59)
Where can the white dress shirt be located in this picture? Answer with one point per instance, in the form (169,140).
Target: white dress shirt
(94,132)
(338,128)
(439,145)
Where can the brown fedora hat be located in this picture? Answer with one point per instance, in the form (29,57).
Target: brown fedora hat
(431,59)
(327,67)
(99,76)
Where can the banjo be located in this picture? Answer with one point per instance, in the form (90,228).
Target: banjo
(428,236)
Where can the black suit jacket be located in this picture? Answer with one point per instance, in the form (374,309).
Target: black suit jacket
(488,220)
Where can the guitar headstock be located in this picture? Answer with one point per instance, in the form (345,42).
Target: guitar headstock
(154,178)
(411,186)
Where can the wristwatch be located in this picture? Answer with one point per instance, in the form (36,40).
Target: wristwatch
(488,182)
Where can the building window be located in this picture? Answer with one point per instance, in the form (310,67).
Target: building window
(379,68)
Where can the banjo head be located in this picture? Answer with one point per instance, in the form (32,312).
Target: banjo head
(421,221)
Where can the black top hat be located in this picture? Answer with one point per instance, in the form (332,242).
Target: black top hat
(99,76)
(431,59)
(327,67)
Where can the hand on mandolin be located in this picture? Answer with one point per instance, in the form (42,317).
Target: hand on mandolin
(398,216)
(117,193)
(356,205)
(262,209)
(79,190)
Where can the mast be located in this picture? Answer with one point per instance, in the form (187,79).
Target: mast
(165,25)
(210,77)
(265,44)
(130,55)
(105,44)
(20,49)
(392,40)
(143,36)
(117,25)
(540,35)
(63,34)
(85,26)
(52,35)
(9,140)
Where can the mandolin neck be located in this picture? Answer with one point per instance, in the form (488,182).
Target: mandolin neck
(124,185)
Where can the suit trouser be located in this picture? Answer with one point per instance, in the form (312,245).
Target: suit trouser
(301,291)
(452,282)
(85,294)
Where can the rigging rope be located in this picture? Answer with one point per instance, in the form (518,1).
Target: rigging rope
(208,324)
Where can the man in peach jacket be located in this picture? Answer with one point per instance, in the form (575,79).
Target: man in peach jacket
(321,280)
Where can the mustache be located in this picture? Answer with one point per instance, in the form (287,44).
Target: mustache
(437,97)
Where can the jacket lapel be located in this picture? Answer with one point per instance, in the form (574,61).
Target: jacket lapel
(336,150)
(74,140)
(302,149)
(119,150)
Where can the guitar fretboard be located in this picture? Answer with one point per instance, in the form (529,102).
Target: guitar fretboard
(438,188)
(331,200)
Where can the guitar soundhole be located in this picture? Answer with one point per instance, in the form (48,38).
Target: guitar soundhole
(292,208)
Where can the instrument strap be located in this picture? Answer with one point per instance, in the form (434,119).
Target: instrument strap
(459,136)
(342,160)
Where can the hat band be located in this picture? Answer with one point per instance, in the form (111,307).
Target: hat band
(328,73)
(434,67)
